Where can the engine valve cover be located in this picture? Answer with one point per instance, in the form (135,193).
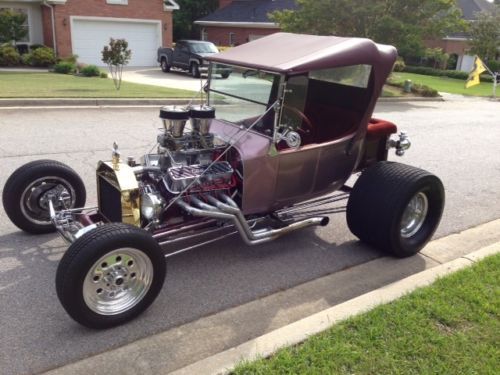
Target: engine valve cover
(180,177)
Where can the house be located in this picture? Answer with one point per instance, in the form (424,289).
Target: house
(83,27)
(239,21)
(457,44)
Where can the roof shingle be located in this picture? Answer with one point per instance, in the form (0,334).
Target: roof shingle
(248,11)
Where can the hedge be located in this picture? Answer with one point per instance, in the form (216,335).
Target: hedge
(443,73)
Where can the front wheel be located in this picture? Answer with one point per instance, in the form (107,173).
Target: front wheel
(30,188)
(395,207)
(195,70)
(110,275)
(164,65)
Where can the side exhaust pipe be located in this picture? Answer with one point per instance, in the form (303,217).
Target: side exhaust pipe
(230,211)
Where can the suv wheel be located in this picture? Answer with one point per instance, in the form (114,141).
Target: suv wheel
(164,65)
(195,70)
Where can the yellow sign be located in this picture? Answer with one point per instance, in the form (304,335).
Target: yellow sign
(479,68)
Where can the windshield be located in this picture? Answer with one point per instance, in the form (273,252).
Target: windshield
(204,48)
(244,96)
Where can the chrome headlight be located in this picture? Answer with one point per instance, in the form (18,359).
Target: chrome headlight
(151,206)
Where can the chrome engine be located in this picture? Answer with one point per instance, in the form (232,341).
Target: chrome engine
(187,161)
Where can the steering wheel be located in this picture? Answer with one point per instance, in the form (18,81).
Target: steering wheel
(303,117)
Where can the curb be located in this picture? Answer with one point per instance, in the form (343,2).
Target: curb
(90,102)
(296,333)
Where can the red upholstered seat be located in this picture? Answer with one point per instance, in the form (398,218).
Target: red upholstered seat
(379,128)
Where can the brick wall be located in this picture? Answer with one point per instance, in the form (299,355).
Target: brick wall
(47,27)
(449,46)
(137,9)
(220,35)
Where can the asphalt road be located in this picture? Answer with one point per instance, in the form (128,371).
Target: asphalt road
(457,140)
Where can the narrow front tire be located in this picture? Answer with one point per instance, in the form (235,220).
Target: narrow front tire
(110,275)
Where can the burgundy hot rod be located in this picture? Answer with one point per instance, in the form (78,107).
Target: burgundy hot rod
(267,152)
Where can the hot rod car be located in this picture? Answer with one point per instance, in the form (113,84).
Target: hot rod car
(268,151)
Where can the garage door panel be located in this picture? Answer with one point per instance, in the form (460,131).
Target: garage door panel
(90,36)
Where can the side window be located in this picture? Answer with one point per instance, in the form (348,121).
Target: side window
(232,39)
(295,102)
(354,75)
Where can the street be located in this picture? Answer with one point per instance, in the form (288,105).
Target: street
(457,140)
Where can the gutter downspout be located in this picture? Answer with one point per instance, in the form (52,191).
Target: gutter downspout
(52,17)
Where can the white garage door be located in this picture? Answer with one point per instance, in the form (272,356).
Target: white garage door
(90,36)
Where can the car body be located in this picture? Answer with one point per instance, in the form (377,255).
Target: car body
(188,55)
(269,150)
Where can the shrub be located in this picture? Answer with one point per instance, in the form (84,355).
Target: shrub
(90,71)
(494,66)
(43,56)
(424,90)
(64,67)
(9,55)
(416,88)
(70,59)
(103,75)
(36,46)
(399,65)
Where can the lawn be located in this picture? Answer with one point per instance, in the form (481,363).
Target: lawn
(451,327)
(445,84)
(52,85)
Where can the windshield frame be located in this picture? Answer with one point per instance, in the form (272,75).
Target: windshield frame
(278,96)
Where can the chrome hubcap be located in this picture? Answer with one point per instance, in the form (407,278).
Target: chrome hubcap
(117,281)
(414,215)
(35,198)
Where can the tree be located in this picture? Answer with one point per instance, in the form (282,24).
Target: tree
(116,55)
(190,11)
(12,26)
(403,23)
(485,34)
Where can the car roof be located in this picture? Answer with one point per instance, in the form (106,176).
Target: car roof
(293,54)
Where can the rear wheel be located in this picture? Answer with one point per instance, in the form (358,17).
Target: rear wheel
(29,189)
(195,70)
(110,275)
(164,65)
(395,207)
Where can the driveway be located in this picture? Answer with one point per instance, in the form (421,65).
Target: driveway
(155,77)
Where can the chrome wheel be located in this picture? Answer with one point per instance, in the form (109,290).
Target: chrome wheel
(36,196)
(414,215)
(118,281)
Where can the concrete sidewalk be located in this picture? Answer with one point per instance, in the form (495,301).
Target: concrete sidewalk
(216,343)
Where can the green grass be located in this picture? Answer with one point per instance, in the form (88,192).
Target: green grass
(451,327)
(52,85)
(445,84)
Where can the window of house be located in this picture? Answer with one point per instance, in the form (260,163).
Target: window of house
(204,34)
(118,2)
(232,39)
(26,24)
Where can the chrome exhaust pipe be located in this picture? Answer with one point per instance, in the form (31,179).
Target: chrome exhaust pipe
(214,213)
(230,211)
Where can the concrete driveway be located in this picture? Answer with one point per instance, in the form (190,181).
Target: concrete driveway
(155,77)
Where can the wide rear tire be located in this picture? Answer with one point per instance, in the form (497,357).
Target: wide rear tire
(395,207)
(110,275)
(27,192)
